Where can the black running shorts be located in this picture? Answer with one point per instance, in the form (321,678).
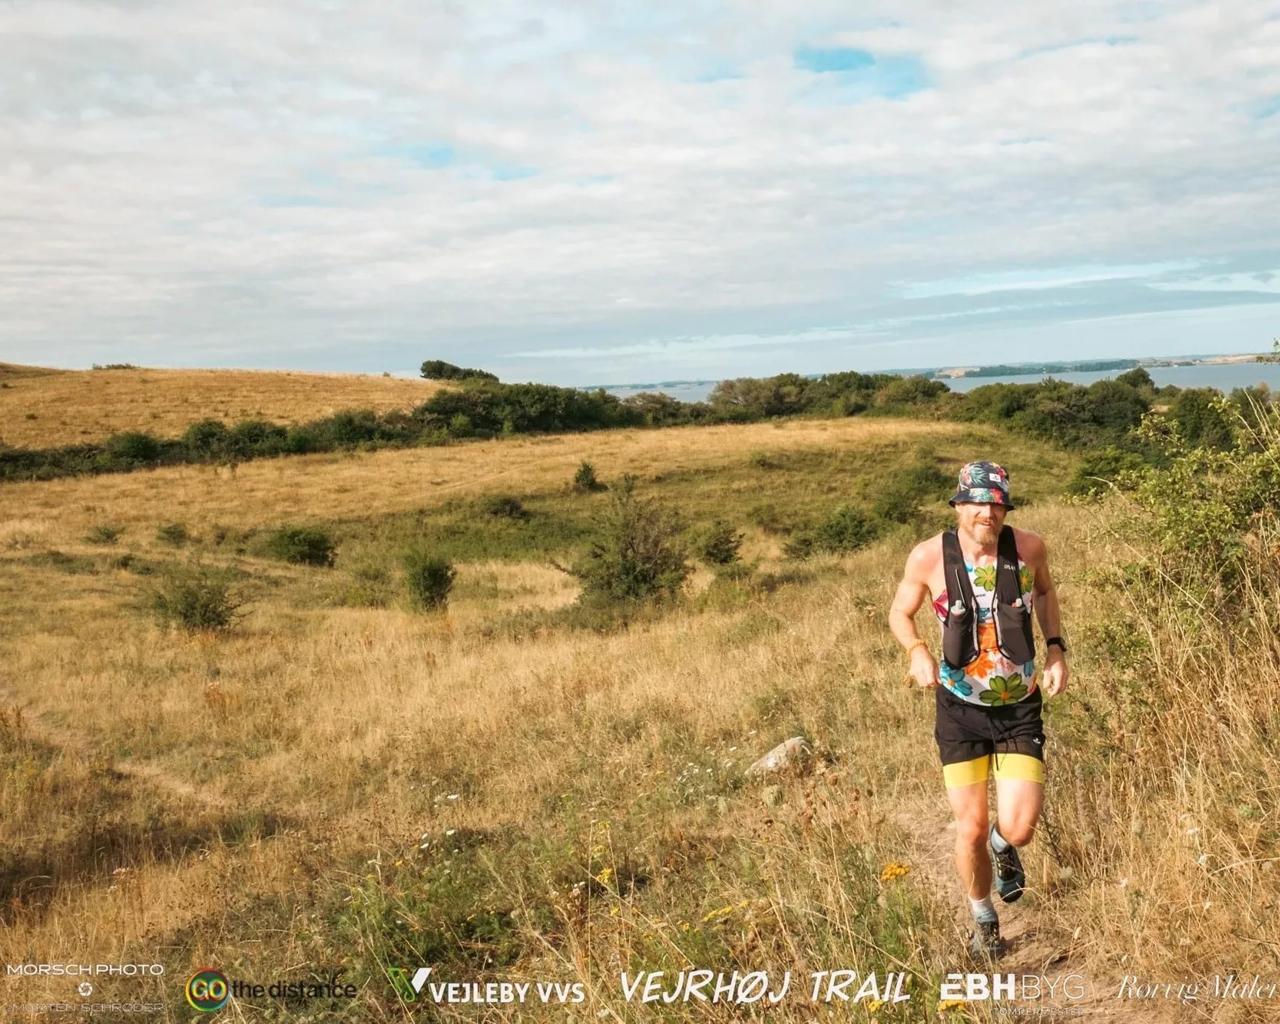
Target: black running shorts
(970,737)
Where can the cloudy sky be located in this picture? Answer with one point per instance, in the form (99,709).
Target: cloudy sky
(592,192)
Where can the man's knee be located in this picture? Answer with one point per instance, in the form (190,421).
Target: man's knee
(971,830)
(1018,833)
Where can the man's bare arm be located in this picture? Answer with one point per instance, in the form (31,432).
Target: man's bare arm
(912,591)
(1045,603)
(911,594)
(1049,614)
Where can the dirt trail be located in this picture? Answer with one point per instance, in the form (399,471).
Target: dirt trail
(1033,948)
(142,772)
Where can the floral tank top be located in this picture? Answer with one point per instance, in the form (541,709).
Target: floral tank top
(991,679)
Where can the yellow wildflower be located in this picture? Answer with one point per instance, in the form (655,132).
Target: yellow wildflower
(893,870)
(726,911)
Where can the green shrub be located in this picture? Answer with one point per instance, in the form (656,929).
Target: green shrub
(637,553)
(719,543)
(911,391)
(173,533)
(1205,419)
(341,430)
(491,408)
(300,545)
(206,438)
(1136,378)
(846,529)
(1100,468)
(504,506)
(196,598)
(585,479)
(427,577)
(103,533)
(897,500)
(751,398)
(133,447)
(1206,509)
(438,369)
(129,562)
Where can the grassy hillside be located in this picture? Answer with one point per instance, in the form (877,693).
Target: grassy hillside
(499,791)
(44,408)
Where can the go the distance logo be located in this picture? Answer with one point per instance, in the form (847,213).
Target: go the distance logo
(208,990)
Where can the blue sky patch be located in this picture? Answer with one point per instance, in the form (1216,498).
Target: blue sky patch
(889,77)
(837,59)
(1268,108)
(424,154)
(512,172)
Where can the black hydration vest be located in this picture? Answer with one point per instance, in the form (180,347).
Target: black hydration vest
(1009,612)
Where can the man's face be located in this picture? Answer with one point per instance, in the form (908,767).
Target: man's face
(981,522)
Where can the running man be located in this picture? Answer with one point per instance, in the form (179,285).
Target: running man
(984,579)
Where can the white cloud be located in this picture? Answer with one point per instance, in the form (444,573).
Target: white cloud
(1265,282)
(187,182)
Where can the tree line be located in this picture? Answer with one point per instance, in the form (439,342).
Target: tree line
(1101,418)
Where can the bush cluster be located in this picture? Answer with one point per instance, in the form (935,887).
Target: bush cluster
(585,479)
(637,554)
(103,533)
(428,578)
(833,394)
(174,534)
(504,506)
(847,528)
(438,369)
(196,598)
(301,545)
(719,543)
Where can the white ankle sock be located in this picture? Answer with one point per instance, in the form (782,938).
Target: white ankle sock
(983,909)
(998,842)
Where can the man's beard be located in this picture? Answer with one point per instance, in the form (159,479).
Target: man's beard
(984,532)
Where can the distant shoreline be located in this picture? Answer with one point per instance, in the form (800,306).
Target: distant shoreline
(996,370)
(1088,366)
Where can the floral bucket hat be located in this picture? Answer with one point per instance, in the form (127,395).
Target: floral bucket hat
(983,483)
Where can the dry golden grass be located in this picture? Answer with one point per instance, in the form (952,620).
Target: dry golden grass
(45,408)
(509,725)
(353,484)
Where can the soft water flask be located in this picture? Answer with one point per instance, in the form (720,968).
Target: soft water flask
(957,607)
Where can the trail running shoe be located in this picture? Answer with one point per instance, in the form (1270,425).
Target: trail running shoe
(985,943)
(1010,878)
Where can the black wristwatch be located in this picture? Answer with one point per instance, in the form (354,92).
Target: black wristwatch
(1056,641)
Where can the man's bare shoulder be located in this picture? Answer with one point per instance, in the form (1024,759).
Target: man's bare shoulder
(925,556)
